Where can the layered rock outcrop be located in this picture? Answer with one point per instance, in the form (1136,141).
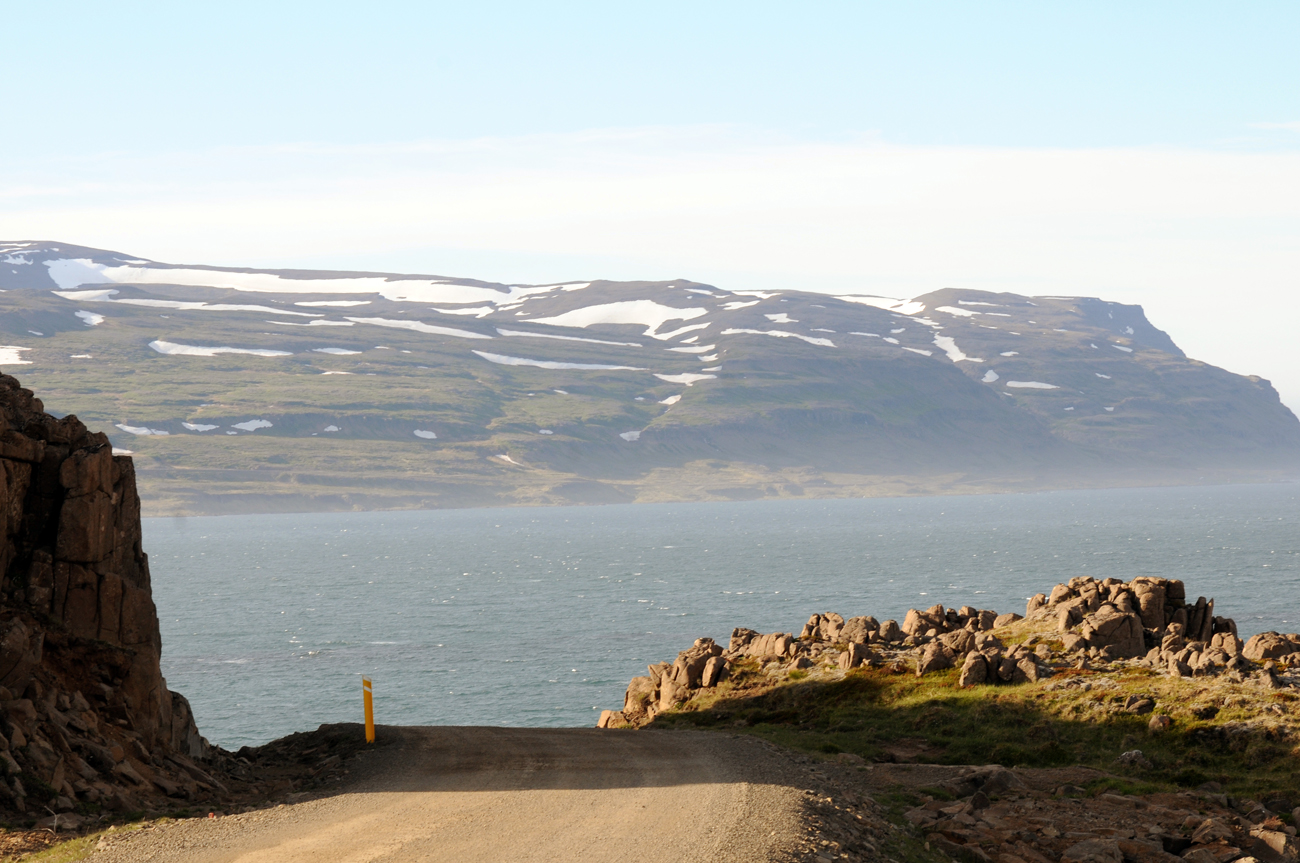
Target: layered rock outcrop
(85,714)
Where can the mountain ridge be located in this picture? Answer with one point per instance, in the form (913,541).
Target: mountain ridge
(245,387)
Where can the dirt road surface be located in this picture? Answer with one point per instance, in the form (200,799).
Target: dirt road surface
(514,794)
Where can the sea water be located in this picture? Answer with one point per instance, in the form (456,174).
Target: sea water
(540,616)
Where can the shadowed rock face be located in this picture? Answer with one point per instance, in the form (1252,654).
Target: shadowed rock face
(80,682)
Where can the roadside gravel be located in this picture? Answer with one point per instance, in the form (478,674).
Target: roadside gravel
(520,794)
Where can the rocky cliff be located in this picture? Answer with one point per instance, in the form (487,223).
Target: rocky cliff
(87,719)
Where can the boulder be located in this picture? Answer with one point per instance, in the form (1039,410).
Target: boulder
(1093,851)
(935,656)
(1228,642)
(1067,617)
(670,693)
(992,780)
(974,670)
(1200,855)
(854,655)
(831,625)
(859,629)
(890,631)
(1006,619)
(1225,625)
(1112,628)
(1270,645)
(914,622)
(935,617)
(741,637)
(959,641)
(1150,593)
(688,669)
(1212,830)
(1134,758)
(715,671)
(1273,844)
(640,694)
(1025,671)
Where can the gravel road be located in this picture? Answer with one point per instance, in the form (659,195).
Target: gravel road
(517,794)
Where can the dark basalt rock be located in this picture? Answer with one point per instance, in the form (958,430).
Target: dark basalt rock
(84,710)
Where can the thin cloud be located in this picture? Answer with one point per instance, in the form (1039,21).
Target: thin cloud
(1206,240)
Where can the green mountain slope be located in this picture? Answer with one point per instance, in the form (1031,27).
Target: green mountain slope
(244,389)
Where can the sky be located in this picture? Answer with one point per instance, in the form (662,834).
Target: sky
(1144,153)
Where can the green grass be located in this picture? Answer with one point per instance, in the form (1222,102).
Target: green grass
(870,712)
(766,419)
(80,847)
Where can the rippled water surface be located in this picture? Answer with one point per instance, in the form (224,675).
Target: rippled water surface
(540,616)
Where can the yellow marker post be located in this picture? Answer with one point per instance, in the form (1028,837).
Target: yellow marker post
(370,710)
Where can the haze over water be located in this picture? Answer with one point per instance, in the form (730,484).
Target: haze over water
(539,616)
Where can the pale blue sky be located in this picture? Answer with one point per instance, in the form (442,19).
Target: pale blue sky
(1142,152)
(85,77)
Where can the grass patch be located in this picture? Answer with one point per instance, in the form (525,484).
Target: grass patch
(78,848)
(883,716)
(64,852)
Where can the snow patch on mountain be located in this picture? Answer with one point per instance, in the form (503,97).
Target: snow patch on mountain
(646,313)
(421,327)
(949,346)
(903,307)
(501,359)
(688,379)
(9,356)
(783,334)
(522,333)
(174,349)
(72,273)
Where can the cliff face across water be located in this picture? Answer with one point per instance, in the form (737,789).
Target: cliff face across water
(85,714)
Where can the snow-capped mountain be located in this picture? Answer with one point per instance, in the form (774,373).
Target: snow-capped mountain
(240,387)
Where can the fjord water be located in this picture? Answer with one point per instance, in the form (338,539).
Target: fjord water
(539,616)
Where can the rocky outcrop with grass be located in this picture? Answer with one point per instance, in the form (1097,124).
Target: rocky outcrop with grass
(1113,722)
(1084,624)
(86,720)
